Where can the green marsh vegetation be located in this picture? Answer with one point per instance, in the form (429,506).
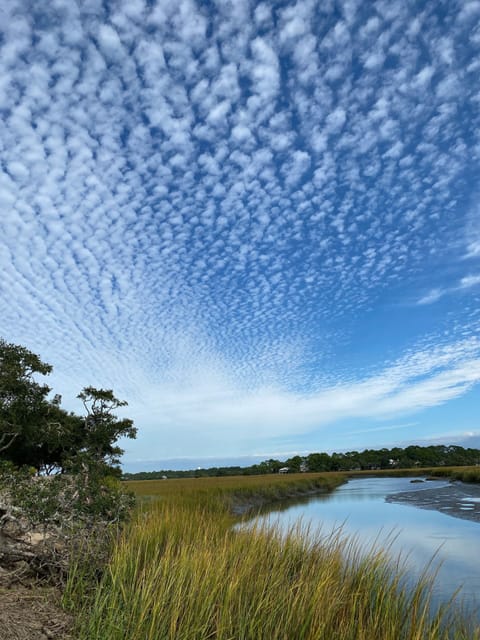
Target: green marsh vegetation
(465,474)
(462,473)
(181,570)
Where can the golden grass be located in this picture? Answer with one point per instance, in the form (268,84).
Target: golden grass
(466,474)
(181,572)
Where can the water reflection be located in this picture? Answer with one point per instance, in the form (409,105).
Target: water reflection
(359,507)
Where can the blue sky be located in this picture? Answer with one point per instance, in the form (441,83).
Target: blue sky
(258,222)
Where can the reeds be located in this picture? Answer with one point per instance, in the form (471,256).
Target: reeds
(465,474)
(181,571)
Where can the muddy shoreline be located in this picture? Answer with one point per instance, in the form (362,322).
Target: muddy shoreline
(457,499)
(258,503)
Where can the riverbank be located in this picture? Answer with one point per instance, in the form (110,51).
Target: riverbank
(238,496)
(243,505)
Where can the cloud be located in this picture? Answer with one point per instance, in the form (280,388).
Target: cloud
(433,296)
(467,282)
(230,189)
(215,410)
(392,427)
(473,249)
(109,42)
(265,70)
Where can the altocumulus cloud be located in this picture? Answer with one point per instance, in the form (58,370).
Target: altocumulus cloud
(204,204)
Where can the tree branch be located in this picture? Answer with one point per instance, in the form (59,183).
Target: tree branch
(4,438)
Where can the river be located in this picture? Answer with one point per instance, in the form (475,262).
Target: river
(364,508)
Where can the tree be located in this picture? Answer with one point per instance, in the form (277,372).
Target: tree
(23,404)
(295,463)
(35,431)
(319,462)
(102,428)
(6,439)
(61,438)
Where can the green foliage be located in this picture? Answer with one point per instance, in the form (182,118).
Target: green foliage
(35,431)
(38,437)
(319,462)
(69,501)
(102,428)
(24,409)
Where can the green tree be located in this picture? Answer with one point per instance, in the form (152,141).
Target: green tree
(102,428)
(24,406)
(35,431)
(295,463)
(319,462)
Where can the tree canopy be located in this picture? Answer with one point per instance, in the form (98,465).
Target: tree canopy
(36,431)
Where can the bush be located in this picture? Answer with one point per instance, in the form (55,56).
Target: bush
(45,522)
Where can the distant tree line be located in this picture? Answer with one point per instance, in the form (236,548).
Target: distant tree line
(369,459)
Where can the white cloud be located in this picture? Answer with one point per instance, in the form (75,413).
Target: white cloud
(433,296)
(228,177)
(336,120)
(265,70)
(109,42)
(469,281)
(204,407)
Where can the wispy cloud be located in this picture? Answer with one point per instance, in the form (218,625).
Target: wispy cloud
(467,282)
(240,419)
(473,249)
(433,296)
(390,427)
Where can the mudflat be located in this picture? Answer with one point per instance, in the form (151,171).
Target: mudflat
(457,499)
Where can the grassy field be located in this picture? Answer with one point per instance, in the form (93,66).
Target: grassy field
(180,571)
(465,474)
(241,491)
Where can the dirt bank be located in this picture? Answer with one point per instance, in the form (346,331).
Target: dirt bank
(32,613)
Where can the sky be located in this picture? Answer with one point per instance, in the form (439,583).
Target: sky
(257,222)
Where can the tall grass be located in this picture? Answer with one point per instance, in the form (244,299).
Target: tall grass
(465,474)
(180,571)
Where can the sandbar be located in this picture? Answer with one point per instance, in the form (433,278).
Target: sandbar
(457,499)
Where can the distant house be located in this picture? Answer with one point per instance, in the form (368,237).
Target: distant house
(283,470)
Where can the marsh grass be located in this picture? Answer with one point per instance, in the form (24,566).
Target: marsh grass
(181,571)
(465,474)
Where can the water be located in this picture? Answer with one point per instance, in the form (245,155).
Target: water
(360,509)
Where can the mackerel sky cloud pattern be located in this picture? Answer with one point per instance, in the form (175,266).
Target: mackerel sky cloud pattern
(257,221)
